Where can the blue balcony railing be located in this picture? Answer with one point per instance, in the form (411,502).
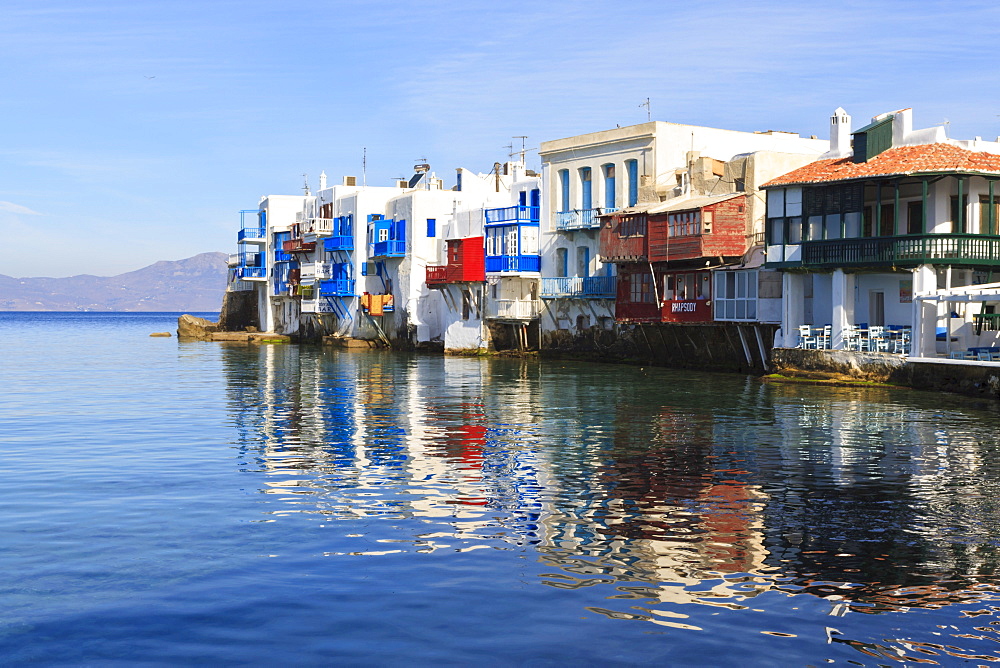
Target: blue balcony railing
(580,219)
(340,242)
(251,272)
(251,234)
(337,287)
(512,214)
(282,256)
(590,287)
(390,248)
(513,263)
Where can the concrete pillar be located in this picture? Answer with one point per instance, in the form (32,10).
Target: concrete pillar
(842,301)
(924,323)
(792,307)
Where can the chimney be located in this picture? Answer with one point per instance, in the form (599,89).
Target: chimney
(840,133)
(902,125)
(322,180)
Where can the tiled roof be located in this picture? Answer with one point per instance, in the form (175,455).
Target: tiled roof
(902,160)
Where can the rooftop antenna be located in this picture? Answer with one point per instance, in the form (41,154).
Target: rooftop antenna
(649,114)
(364,166)
(522,138)
(305,184)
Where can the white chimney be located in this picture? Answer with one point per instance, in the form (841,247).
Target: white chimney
(840,134)
(902,126)
(322,180)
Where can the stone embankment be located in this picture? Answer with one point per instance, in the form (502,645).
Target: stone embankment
(971,378)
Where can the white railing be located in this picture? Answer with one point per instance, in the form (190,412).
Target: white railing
(316,270)
(513,309)
(234,259)
(321,226)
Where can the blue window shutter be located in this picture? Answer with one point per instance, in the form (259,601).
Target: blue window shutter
(535,197)
(522,198)
(564,183)
(633,182)
(586,183)
(431,227)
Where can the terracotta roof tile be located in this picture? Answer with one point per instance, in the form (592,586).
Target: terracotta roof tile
(894,162)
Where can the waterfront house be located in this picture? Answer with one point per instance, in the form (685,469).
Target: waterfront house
(490,266)
(647,184)
(888,214)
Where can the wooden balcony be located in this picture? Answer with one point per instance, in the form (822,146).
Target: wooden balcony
(297,245)
(903,251)
(513,309)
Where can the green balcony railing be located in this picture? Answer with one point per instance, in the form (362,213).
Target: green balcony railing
(908,250)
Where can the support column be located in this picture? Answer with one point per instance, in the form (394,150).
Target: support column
(842,301)
(792,308)
(924,323)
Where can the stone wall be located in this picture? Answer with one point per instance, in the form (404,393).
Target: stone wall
(710,346)
(976,379)
(239,311)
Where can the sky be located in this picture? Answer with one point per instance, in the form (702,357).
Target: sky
(135,131)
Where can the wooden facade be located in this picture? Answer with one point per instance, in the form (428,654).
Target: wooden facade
(466,263)
(664,257)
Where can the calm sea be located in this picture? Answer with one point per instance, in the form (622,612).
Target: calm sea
(167,503)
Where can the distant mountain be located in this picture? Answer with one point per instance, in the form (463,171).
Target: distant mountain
(194,284)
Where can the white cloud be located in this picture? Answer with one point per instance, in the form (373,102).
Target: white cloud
(10,207)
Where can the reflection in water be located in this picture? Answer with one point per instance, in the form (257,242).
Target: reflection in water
(672,498)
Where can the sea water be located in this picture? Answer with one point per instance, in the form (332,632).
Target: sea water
(166,502)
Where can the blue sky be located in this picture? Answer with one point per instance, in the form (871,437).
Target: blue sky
(135,131)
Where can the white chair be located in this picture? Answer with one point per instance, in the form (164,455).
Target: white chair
(823,337)
(852,338)
(877,340)
(901,344)
(806,337)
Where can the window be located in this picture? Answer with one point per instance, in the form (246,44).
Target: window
(959,215)
(583,261)
(466,304)
(735,295)
(609,186)
(562,263)
(632,166)
(564,190)
(684,224)
(431,227)
(586,193)
(641,289)
(987,223)
(914,217)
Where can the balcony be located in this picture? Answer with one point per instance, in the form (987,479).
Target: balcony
(234,259)
(339,242)
(391,248)
(513,263)
(316,270)
(580,219)
(297,245)
(252,235)
(903,251)
(590,287)
(513,309)
(252,273)
(512,214)
(321,227)
(337,287)
(282,256)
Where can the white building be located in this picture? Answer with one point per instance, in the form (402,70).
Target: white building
(591,175)
(890,214)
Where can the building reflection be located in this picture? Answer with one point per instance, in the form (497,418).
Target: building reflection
(651,496)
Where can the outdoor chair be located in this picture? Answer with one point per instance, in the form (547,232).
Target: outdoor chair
(806,337)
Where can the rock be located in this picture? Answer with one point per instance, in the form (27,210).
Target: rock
(193,327)
(166,334)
